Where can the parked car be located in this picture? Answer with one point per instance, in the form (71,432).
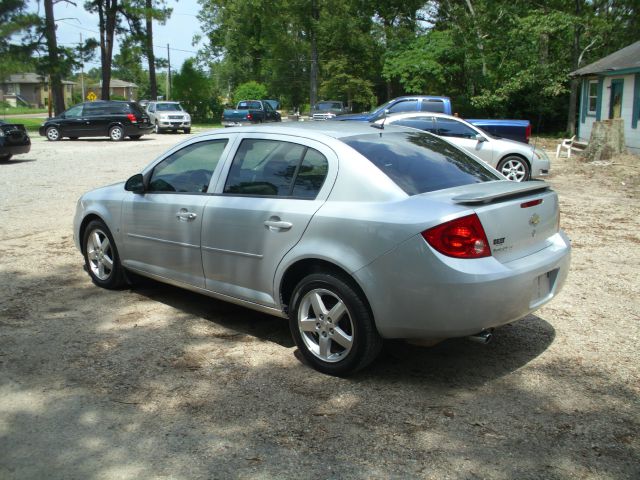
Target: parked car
(354,233)
(327,109)
(103,118)
(167,115)
(14,140)
(518,130)
(248,112)
(515,160)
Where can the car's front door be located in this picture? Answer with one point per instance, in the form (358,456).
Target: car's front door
(74,124)
(162,227)
(463,136)
(272,190)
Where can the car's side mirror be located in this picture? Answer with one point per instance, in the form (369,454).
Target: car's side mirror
(62,115)
(135,184)
(480,138)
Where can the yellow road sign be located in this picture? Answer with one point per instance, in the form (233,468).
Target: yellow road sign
(91,96)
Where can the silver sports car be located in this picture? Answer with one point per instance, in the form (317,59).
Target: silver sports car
(353,232)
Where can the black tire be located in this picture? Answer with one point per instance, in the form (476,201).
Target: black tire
(351,341)
(53,134)
(5,158)
(101,257)
(156,128)
(515,168)
(187,130)
(116,133)
(135,137)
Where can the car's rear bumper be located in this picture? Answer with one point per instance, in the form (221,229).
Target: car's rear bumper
(7,148)
(234,123)
(138,129)
(428,295)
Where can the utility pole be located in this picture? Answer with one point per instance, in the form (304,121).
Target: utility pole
(82,69)
(168,74)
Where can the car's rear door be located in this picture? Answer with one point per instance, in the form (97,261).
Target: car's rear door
(274,186)
(162,227)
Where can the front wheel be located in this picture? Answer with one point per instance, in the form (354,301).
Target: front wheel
(101,256)
(116,134)
(514,168)
(156,128)
(332,325)
(5,158)
(187,130)
(53,134)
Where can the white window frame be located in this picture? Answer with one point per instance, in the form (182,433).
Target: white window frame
(594,97)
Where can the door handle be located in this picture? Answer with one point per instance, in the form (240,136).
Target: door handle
(185,216)
(276,224)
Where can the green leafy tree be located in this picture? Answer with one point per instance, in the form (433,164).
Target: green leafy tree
(250,91)
(17,43)
(194,89)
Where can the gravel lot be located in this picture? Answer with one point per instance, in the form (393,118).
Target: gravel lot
(156,382)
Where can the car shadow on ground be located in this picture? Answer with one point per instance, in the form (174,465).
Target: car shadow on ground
(457,361)
(17,161)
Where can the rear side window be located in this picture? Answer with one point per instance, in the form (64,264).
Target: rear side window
(421,123)
(436,106)
(419,162)
(276,168)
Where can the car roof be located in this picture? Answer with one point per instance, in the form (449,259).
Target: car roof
(327,128)
(420,114)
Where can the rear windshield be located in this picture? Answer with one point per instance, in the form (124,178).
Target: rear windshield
(249,106)
(420,162)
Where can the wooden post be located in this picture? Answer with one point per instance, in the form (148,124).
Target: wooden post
(607,140)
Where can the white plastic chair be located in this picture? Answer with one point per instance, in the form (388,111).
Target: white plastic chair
(566,144)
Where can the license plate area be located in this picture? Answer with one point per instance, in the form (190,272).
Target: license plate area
(543,288)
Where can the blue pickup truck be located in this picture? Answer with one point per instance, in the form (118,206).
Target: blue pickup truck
(519,130)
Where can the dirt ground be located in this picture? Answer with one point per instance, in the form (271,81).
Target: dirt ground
(157,382)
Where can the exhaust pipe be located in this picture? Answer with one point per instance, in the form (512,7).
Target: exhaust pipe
(483,337)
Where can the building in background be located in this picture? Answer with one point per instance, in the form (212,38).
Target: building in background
(31,90)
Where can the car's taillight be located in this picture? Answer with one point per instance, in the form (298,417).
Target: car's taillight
(132,118)
(460,238)
(249,117)
(527,133)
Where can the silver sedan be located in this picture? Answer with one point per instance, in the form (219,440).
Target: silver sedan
(515,160)
(353,233)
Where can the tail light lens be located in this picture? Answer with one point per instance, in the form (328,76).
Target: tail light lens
(249,117)
(460,238)
(132,118)
(527,133)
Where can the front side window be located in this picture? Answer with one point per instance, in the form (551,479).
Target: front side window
(421,123)
(188,170)
(420,163)
(276,168)
(593,98)
(453,128)
(74,112)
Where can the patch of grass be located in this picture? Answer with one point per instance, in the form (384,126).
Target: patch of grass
(31,124)
(206,126)
(21,110)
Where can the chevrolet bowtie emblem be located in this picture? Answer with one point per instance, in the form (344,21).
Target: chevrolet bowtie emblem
(535,219)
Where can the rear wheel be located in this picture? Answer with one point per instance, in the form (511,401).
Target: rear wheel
(101,256)
(53,134)
(5,158)
(116,133)
(332,325)
(514,168)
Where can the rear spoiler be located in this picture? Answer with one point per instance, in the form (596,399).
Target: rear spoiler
(490,191)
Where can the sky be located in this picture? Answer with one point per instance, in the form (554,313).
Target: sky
(73,21)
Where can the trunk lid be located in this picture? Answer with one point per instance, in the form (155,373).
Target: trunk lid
(518,218)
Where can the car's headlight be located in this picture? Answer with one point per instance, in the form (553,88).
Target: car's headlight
(1,133)
(187,117)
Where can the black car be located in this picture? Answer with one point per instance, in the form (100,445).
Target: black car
(103,118)
(13,140)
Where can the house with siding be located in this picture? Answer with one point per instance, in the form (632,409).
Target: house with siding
(31,89)
(117,89)
(610,88)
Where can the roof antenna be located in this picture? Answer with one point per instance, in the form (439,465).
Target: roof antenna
(380,126)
